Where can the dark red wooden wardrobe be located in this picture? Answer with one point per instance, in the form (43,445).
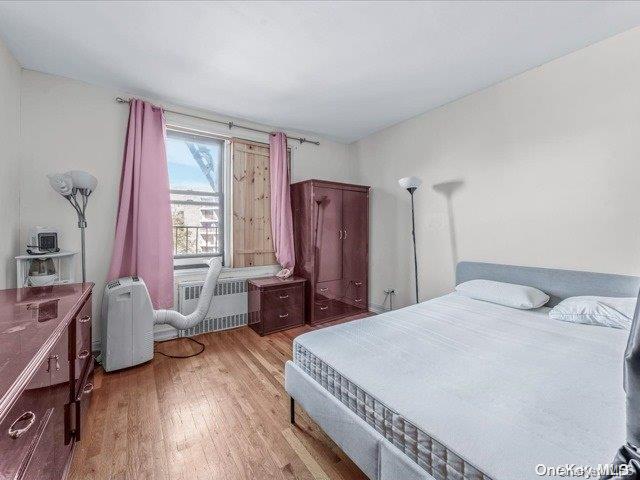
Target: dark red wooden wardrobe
(331,235)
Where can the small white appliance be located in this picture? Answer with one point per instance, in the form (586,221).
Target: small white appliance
(127,329)
(128,318)
(42,240)
(42,272)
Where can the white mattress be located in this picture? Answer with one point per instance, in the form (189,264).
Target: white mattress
(503,388)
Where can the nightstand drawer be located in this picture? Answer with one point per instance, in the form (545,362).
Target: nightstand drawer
(281,318)
(282,298)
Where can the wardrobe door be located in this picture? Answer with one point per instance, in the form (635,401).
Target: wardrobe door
(355,214)
(328,243)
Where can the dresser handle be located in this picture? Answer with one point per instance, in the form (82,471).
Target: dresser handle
(286,295)
(324,289)
(357,284)
(57,359)
(285,315)
(324,308)
(28,417)
(88,388)
(85,318)
(82,354)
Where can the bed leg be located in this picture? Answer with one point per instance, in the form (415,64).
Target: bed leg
(292,411)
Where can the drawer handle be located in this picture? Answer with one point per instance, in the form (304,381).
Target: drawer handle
(324,289)
(358,284)
(358,299)
(85,319)
(324,308)
(88,388)
(83,354)
(286,295)
(28,417)
(284,315)
(57,360)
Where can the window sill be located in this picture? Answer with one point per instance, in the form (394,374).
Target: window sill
(228,273)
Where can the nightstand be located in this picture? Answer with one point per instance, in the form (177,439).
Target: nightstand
(275,304)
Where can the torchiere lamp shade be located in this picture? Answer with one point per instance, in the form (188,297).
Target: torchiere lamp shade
(410,182)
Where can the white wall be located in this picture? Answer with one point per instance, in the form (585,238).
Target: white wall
(550,168)
(548,160)
(68,124)
(9,171)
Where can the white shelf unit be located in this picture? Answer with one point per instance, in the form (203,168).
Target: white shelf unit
(64,262)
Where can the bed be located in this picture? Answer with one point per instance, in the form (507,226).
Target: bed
(455,388)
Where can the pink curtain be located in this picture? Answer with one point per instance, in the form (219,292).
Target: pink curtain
(281,221)
(143,242)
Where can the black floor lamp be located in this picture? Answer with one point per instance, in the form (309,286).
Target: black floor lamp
(411,184)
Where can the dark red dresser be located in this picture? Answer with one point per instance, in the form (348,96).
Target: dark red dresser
(46,372)
(276,304)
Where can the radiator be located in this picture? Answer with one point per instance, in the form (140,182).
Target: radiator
(229,308)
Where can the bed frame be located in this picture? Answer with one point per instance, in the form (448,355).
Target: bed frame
(374,454)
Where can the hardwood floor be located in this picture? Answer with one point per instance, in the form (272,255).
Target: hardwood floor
(221,415)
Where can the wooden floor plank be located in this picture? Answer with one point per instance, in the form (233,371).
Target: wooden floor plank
(223,415)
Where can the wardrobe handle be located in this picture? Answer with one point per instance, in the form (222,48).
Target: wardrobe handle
(340,233)
(84,319)
(28,417)
(88,388)
(357,284)
(284,315)
(286,295)
(324,308)
(345,234)
(83,354)
(324,289)
(358,299)
(57,359)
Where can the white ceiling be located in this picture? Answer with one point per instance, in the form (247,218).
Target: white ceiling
(338,69)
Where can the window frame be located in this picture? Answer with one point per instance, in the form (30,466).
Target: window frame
(188,266)
(195,260)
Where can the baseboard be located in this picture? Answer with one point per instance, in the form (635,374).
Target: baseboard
(377,308)
(164,332)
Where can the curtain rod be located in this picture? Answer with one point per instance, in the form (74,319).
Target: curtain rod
(228,124)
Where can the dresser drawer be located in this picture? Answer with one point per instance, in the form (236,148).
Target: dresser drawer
(282,318)
(24,424)
(329,290)
(282,298)
(356,293)
(85,365)
(83,398)
(323,309)
(83,327)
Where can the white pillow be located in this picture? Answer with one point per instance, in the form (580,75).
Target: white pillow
(507,294)
(604,311)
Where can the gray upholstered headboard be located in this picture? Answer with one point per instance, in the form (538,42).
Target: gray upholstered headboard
(558,284)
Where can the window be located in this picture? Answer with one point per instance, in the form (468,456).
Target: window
(209,175)
(196,182)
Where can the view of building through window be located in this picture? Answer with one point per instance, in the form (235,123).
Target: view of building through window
(195,165)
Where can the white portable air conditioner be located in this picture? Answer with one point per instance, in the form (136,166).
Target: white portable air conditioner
(128,318)
(127,329)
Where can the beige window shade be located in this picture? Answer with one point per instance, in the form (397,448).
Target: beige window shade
(252,244)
